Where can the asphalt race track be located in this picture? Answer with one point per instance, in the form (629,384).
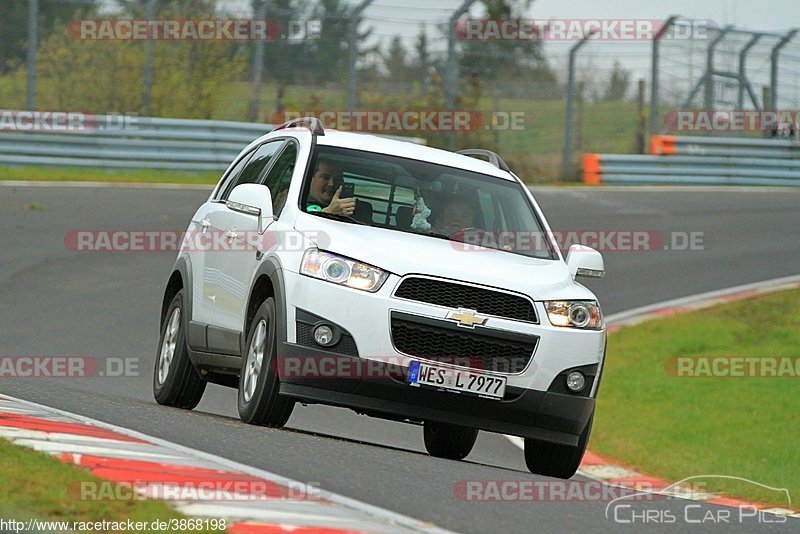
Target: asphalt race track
(54,301)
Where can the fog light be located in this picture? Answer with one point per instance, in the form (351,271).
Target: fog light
(576,381)
(323,335)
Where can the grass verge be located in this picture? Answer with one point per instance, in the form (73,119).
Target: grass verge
(35,485)
(676,426)
(73,174)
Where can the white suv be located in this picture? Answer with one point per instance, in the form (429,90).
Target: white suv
(440,298)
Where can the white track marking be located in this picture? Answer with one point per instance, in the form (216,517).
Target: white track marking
(368,509)
(607,472)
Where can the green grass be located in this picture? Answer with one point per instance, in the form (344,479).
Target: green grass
(35,485)
(72,174)
(674,427)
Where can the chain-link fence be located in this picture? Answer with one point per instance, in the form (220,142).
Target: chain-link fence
(266,60)
(726,69)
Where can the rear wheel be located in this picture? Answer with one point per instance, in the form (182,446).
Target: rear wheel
(444,440)
(175,380)
(260,402)
(559,461)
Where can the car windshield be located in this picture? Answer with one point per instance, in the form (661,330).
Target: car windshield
(431,200)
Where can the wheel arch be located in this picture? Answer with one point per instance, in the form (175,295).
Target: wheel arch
(180,278)
(268,282)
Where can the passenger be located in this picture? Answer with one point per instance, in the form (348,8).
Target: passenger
(455,214)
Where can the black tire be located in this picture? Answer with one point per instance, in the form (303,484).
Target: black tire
(178,384)
(449,441)
(265,406)
(558,461)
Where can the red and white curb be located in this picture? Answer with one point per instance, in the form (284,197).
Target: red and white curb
(198,484)
(597,468)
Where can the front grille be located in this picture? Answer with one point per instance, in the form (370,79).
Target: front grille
(452,295)
(462,347)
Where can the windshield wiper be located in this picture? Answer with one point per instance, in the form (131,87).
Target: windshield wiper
(338,217)
(437,235)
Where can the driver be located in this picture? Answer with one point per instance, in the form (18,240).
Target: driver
(455,214)
(326,186)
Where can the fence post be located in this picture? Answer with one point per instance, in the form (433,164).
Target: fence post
(773,77)
(708,95)
(352,43)
(641,120)
(33,44)
(743,73)
(654,73)
(451,74)
(579,115)
(150,14)
(566,168)
(258,65)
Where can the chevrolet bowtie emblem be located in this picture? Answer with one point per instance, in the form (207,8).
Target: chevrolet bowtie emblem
(468,318)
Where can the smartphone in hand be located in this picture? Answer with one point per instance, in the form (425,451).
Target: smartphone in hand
(347,190)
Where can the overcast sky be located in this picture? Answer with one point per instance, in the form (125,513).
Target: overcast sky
(404,17)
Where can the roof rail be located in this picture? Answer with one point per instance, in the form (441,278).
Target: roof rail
(494,159)
(313,124)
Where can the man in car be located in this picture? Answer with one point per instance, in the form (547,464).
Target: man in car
(326,186)
(456,213)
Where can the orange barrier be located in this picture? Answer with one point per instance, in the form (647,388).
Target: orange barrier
(592,169)
(662,145)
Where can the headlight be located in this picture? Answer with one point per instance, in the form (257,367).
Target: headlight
(343,271)
(583,314)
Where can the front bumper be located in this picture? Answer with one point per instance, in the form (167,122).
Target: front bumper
(367,318)
(383,392)
(528,410)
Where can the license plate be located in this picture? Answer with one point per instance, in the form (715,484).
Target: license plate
(423,374)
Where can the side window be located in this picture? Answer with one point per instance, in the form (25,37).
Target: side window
(280,177)
(231,176)
(255,166)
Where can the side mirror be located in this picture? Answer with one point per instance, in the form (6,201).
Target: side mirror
(252,199)
(585,261)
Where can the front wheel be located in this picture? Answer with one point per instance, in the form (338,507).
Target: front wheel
(260,402)
(558,461)
(175,380)
(444,440)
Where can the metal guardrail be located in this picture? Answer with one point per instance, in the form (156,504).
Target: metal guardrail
(144,143)
(668,145)
(697,170)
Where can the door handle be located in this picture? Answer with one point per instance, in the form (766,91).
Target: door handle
(204,224)
(230,234)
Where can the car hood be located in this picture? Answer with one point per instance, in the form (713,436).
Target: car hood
(404,253)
